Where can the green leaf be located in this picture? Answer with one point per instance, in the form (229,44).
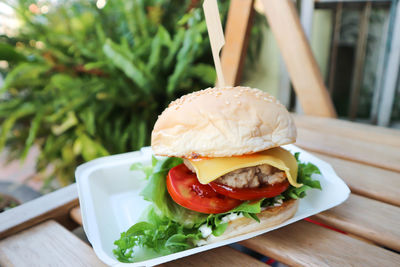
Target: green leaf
(174,47)
(153,161)
(32,133)
(100,33)
(24,73)
(123,60)
(95,65)
(156,192)
(157,233)
(204,72)
(251,216)
(140,228)
(142,134)
(220,229)
(91,149)
(8,53)
(162,38)
(138,166)
(147,170)
(8,124)
(249,206)
(186,55)
(304,176)
(69,122)
(88,118)
(177,242)
(65,82)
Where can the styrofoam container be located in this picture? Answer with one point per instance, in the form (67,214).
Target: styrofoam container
(110,203)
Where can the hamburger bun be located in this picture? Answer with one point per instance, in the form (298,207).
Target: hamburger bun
(222,122)
(270,217)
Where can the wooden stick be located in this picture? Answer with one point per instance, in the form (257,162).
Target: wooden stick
(216,35)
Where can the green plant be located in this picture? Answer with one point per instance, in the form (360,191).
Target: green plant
(85,82)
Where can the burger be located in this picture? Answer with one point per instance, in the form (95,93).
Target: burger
(230,141)
(222,172)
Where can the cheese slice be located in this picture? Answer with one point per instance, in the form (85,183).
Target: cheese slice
(209,169)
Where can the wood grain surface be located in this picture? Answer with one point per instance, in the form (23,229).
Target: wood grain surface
(352,149)
(368,181)
(48,244)
(55,205)
(221,257)
(367,218)
(237,33)
(367,144)
(359,131)
(307,244)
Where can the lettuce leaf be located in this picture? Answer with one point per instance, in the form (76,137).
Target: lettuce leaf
(158,233)
(305,171)
(156,192)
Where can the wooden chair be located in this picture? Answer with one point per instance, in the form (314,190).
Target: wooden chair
(300,62)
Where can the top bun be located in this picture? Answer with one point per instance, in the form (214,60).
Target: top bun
(222,122)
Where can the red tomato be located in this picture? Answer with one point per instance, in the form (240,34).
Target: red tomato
(186,190)
(250,193)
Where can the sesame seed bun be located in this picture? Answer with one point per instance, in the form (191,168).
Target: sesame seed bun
(222,122)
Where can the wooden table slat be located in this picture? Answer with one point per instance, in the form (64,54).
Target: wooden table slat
(367,218)
(360,131)
(368,181)
(47,244)
(55,205)
(307,244)
(221,257)
(378,155)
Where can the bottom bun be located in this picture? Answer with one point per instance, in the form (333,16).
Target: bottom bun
(268,218)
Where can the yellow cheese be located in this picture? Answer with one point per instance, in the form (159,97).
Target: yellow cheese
(209,169)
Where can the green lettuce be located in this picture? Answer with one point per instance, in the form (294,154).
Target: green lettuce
(304,173)
(156,192)
(170,228)
(159,233)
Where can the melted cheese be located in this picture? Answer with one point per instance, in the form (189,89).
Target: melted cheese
(209,169)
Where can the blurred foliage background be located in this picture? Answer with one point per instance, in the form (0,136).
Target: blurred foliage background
(87,79)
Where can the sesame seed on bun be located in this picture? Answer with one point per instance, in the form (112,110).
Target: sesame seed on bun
(222,122)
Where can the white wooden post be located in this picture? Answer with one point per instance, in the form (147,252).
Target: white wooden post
(392,71)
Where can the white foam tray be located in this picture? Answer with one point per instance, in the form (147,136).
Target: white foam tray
(110,202)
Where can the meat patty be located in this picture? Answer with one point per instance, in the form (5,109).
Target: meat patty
(249,177)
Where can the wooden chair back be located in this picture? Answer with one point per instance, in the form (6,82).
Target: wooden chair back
(285,24)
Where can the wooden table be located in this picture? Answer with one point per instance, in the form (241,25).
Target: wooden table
(367,225)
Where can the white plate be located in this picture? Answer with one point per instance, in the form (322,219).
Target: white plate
(110,202)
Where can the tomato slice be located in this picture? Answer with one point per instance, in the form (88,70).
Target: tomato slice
(186,190)
(250,193)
